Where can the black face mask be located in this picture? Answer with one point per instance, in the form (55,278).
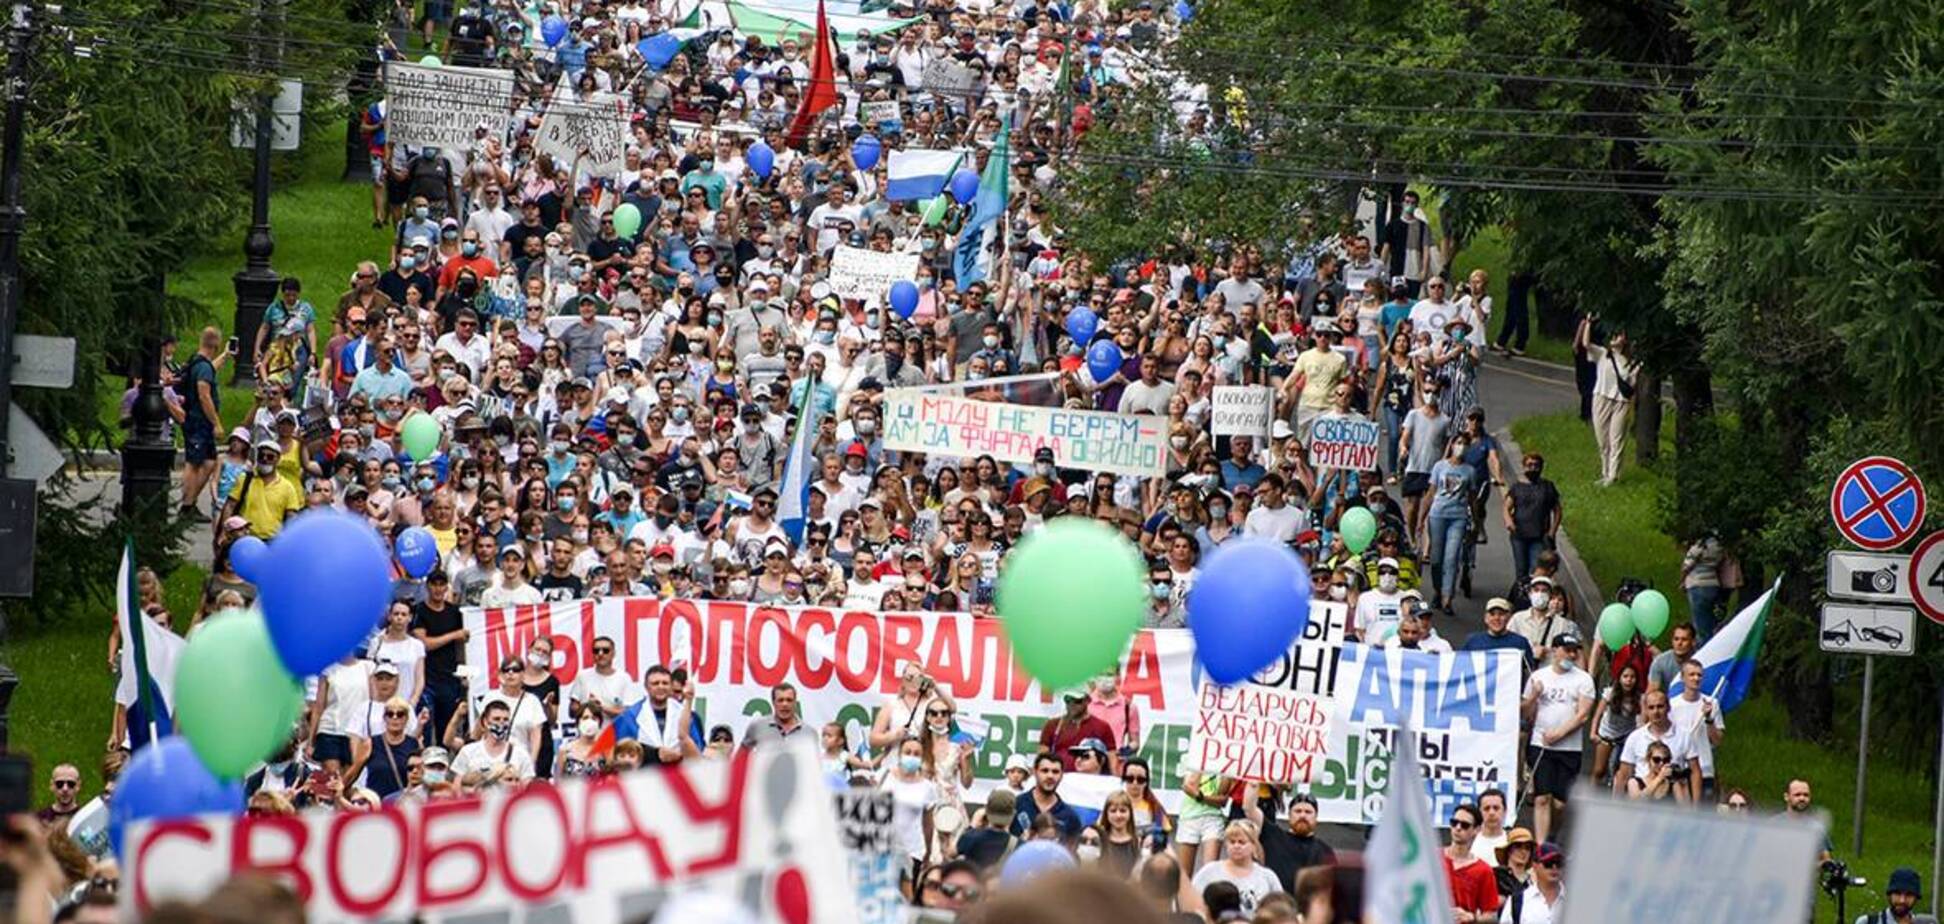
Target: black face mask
(1532,474)
(468,287)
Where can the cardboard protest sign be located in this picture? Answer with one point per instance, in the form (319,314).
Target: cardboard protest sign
(864,818)
(862,273)
(1344,441)
(758,827)
(949,79)
(441,106)
(1100,441)
(870,114)
(598,126)
(1273,727)
(1241,410)
(1688,867)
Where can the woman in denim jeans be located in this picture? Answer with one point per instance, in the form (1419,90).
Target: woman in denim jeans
(1391,399)
(1450,505)
(1701,578)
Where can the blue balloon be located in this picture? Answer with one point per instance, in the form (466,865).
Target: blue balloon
(552,30)
(1103,360)
(1033,859)
(658,50)
(761,160)
(326,584)
(965,185)
(904,297)
(1081,323)
(165,780)
(417,551)
(1247,607)
(246,555)
(1183,11)
(865,151)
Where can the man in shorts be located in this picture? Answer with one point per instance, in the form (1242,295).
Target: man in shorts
(201,418)
(1558,699)
(1421,444)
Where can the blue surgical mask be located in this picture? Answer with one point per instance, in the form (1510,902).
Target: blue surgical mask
(566,504)
(826,337)
(911,763)
(1161,590)
(421,213)
(425,485)
(407,262)
(469,248)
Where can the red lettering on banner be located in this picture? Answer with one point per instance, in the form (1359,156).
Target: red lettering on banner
(788,647)
(634,612)
(571,647)
(901,636)
(606,789)
(724,643)
(989,647)
(334,868)
(816,676)
(244,859)
(682,611)
(569,859)
(429,854)
(1141,676)
(186,829)
(728,813)
(946,663)
(863,678)
(505,638)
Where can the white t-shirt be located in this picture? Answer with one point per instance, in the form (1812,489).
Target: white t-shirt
(474,757)
(527,712)
(616,689)
(909,800)
(1258,883)
(406,654)
(1560,696)
(1678,741)
(350,689)
(1281,524)
(1688,715)
(1378,614)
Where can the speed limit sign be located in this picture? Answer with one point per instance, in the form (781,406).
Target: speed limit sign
(1927,577)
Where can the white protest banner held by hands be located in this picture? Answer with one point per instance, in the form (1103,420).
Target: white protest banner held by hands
(867,275)
(758,828)
(443,106)
(598,126)
(1344,441)
(1099,441)
(1241,410)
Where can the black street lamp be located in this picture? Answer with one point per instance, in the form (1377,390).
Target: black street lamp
(256,285)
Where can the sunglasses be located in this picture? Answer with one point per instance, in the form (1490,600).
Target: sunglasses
(1462,825)
(939,713)
(603,649)
(1134,779)
(395,713)
(1549,864)
(968,892)
(67,784)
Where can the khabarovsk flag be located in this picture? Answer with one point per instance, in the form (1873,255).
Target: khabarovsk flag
(793,497)
(1728,659)
(973,258)
(1404,878)
(919,173)
(148,660)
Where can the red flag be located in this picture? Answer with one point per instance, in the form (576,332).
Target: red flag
(821,93)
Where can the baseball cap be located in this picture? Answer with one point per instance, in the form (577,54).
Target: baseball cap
(1498,603)
(270,445)
(1566,640)
(355,314)
(235,523)
(1043,454)
(1548,852)
(436,757)
(1281,430)
(385,667)
(1089,744)
(617,395)
(661,550)
(1387,562)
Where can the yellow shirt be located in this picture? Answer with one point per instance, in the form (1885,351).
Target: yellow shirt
(1321,371)
(445,539)
(291,467)
(269,500)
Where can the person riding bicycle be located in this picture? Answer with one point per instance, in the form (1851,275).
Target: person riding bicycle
(1482,454)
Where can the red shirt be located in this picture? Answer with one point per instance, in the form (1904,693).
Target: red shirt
(1473,888)
(1062,733)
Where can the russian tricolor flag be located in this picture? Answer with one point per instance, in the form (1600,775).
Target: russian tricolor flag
(919,173)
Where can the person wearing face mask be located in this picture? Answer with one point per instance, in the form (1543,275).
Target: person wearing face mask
(408,271)
(261,497)
(472,258)
(1538,625)
(1533,512)
(1117,711)
(493,758)
(578,757)
(1380,608)
(1558,700)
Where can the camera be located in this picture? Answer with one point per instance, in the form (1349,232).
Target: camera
(1881,581)
(1836,877)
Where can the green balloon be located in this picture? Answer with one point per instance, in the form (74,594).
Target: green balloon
(233,699)
(1616,625)
(1650,613)
(1070,597)
(420,434)
(1358,528)
(627,220)
(431,61)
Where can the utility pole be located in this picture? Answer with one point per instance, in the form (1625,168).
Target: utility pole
(22,29)
(256,284)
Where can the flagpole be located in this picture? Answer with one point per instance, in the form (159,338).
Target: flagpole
(137,638)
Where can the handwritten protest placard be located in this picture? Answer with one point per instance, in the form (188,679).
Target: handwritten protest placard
(1273,727)
(598,126)
(874,112)
(950,79)
(864,818)
(1344,441)
(441,106)
(1125,444)
(1241,410)
(861,273)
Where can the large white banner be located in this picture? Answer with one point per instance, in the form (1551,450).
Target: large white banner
(1688,867)
(845,664)
(443,105)
(598,127)
(867,275)
(1099,441)
(759,827)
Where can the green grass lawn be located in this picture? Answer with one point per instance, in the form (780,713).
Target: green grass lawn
(1615,530)
(1488,250)
(62,711)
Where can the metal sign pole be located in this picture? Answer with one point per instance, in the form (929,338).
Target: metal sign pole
(1863,753)
(1937,833)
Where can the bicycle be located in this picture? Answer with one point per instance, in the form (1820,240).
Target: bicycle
(1474,534)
